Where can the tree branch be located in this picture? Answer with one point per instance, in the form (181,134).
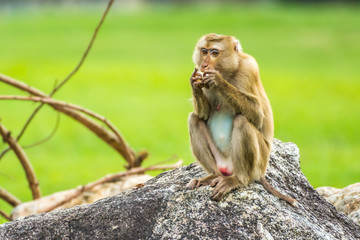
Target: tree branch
(5,215)
(29,171)
(22,86)
(120,146)
(87,49)
(9,198)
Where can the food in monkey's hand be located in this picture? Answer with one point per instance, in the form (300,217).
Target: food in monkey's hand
(202,75)
(197,77)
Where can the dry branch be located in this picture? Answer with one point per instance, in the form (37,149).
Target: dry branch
(9,198)
(111,178)
(67,78)
(113,138)
(22,86)
(120,146)
(29,171)
(87,49)
(5,215)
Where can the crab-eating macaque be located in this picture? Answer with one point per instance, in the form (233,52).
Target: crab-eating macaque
(231,128)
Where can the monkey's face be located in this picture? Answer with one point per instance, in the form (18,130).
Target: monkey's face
(216,52)
(208,58)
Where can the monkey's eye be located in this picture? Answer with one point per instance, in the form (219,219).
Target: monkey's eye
(214,52)
(204,51)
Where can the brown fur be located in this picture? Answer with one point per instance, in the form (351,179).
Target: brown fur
(231,83)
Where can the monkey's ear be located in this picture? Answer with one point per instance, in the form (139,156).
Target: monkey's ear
(237,46)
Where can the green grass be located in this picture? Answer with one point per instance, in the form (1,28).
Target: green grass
(137,76)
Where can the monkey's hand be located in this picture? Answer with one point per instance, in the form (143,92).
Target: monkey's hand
(212,78)
(196,81)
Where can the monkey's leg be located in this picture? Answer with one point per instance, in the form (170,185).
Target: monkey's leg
(245,151)
(202,147)
(244,155)
(250,154)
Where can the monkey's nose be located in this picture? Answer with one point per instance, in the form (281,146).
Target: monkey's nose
(204,68)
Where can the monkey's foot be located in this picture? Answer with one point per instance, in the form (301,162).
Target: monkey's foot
(223,185)
(195,183)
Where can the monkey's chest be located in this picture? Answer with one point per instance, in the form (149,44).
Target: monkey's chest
(221,124)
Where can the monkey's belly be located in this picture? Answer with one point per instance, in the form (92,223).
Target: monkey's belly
(221,124)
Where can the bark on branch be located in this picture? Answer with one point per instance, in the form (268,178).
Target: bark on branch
(9,198)
(7,217)
(29,171)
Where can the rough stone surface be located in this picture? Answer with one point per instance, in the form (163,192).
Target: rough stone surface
(100,191)
(164,209)
(346,200)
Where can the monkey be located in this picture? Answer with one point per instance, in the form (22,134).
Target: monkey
(231,128)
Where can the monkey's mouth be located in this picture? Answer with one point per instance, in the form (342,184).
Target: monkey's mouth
(203,70)
(203,74)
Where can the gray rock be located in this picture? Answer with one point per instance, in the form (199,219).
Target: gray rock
(100,191)
(345,200)
(164,209)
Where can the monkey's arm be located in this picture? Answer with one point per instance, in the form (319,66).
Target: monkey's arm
(201,104)
(240,99)
(243,102)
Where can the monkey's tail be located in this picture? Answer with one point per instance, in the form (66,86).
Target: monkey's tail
(276,193)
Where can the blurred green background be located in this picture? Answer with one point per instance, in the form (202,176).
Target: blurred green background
(137,76)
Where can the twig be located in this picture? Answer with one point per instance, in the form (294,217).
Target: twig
(173,157)
(87,49)
(111,178)
(5,215)
(9,198)
(29,171)
(132,171)
(4,152)
(116,141)
(6,175)
(120,146)
(48,137)
(140,157)
(21,85)
(67,78)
